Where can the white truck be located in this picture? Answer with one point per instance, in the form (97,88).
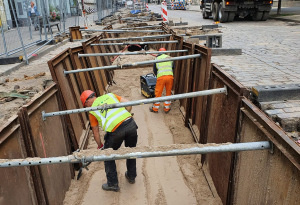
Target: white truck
(226,10)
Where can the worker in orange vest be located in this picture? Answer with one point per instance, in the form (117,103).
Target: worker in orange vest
(164,74)
(119,126)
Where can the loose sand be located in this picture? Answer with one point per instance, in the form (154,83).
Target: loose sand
(165,180)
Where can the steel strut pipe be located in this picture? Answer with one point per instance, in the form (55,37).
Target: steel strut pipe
(139,102)
(129,53)
(236,147)
(133,64)
(133,38)
(153,26)
(133,43)
(122,31)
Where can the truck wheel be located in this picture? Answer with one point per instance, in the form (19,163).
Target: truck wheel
(265,16)
(231,16)
(257,16)
(205,14)
(223,15)
(215,11)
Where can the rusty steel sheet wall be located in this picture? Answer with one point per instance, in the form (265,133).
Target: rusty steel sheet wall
(18,185)
(84,79)
(75,34)
(220,126)
(49,138)
(102,77)
(264,177)
(185,70)
(178,69)
(189,76)
(70,93)
(196,113)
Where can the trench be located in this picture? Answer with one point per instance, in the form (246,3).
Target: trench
(221,178)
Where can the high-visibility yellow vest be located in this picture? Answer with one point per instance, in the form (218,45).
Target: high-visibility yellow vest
(113,116)
(164,68)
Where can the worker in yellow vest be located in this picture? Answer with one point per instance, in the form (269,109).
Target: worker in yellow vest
(119,126)
(164,74)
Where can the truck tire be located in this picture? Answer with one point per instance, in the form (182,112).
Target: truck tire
(231,16)
(215,11)
(265,16)
(223,15)
(204,14)
(257,16)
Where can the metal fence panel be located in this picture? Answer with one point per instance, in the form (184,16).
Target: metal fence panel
(27,25)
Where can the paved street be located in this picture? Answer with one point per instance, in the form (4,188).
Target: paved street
(271,49)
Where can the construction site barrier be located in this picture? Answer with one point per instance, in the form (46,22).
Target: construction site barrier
(164,11)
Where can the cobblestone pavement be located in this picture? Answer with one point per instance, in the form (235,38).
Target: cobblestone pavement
(270,56)
(270,49)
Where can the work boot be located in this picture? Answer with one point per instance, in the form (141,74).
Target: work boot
(131,181)
(167,111)
(151,110)
(115,187)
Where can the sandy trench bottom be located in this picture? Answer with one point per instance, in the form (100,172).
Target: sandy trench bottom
(164,180)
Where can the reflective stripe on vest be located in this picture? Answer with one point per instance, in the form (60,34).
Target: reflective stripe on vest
(164,68)
(113,116)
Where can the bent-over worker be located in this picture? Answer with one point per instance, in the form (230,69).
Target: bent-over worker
(119,126)
(164,74)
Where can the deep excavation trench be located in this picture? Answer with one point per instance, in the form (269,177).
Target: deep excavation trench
(165,180)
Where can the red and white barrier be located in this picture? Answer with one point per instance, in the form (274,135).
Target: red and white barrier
(147,7)
(164,11)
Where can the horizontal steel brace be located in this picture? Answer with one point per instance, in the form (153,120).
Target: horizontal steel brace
(140,37)
(130,53)
(133,64)
(123,31)
(133,43)
(78,157)
(138,102)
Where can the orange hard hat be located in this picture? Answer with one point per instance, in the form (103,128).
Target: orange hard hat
(162,49)
(85,95)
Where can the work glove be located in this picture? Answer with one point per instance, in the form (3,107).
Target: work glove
(100,147)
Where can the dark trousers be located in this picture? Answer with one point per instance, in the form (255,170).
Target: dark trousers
(127,132)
